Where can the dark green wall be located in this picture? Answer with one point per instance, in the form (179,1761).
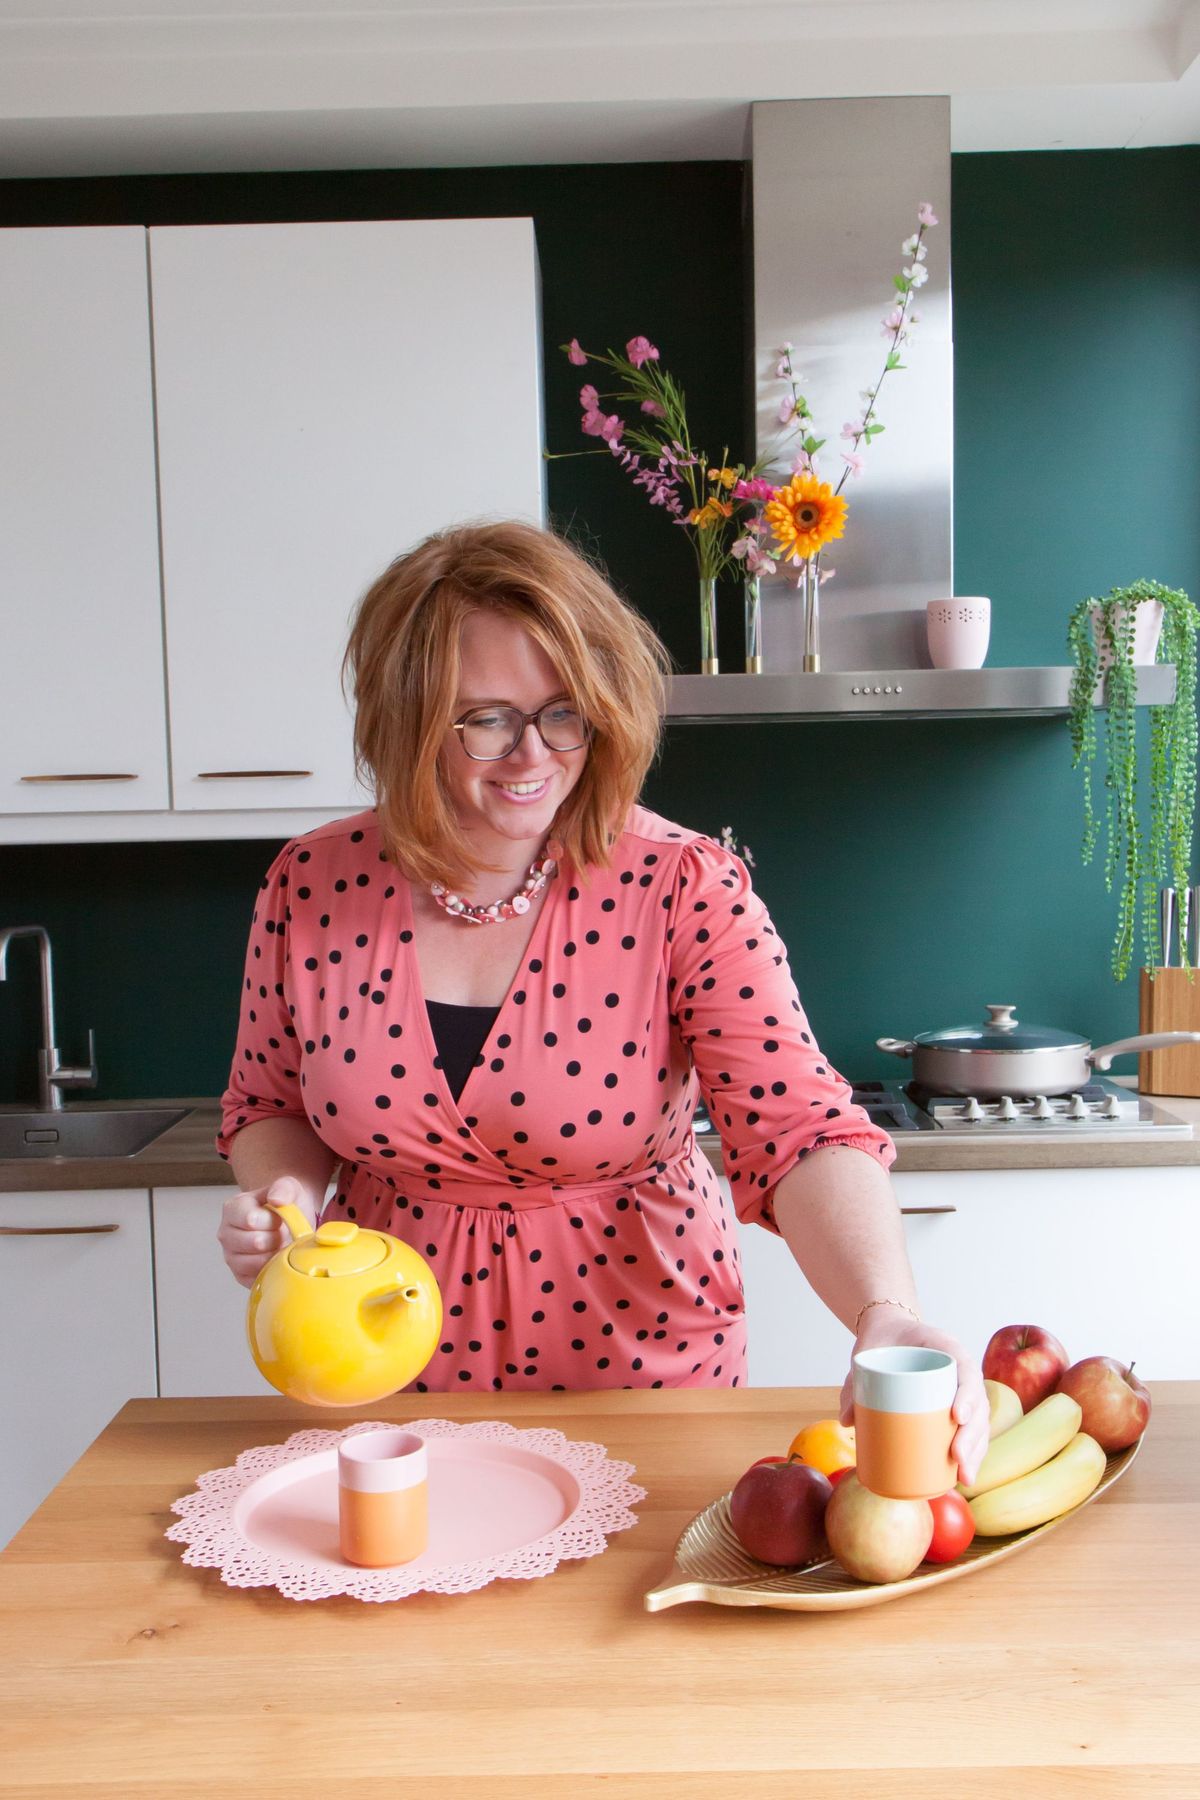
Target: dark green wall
(917,871)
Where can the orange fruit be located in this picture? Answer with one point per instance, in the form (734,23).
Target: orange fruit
(827,1445)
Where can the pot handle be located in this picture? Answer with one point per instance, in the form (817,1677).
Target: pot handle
(1101,1057)
(895,1046)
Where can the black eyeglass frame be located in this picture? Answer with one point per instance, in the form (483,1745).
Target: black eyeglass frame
(527,719)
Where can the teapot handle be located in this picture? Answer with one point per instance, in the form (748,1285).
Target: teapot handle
(292,1217)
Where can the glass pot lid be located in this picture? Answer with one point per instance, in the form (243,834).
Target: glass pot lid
(1002,1032)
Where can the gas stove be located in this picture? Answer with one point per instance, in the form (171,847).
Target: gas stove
(1101,1109)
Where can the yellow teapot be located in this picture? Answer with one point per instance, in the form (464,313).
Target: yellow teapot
(342,1316)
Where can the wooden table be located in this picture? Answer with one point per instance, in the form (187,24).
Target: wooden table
(1071,1669)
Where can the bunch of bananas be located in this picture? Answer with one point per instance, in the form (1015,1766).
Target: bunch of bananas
(1037,1469)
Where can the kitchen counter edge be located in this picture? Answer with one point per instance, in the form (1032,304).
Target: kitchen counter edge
(185,1157)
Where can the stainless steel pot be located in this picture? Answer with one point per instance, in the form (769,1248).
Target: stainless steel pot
(1006,1057)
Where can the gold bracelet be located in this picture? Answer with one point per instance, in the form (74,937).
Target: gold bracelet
(868,1304)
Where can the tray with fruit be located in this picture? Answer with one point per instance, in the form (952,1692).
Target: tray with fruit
(800,1532)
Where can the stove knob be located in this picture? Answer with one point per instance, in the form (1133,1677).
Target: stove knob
(1042,1108)
(1111,1108)
(1006,1109)
(972,1109)
(1077,1109)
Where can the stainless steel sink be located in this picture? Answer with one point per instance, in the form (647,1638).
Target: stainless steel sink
(84,1130)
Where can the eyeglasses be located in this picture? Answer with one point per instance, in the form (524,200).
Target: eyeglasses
(489,733)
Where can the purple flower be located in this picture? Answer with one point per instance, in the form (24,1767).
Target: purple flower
(640,350)
(575,354)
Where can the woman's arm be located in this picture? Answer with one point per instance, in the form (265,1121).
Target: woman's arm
(838,1213)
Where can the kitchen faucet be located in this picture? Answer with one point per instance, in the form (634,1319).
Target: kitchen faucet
(53,1075)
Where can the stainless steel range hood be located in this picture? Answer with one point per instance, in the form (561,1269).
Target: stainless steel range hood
(891,693)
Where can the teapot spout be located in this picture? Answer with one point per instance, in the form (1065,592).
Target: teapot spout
(391,1311)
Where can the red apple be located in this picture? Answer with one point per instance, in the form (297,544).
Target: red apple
(876,1539)
(1116,1406)
(1027,1359)
(777,1512)
(836,1475)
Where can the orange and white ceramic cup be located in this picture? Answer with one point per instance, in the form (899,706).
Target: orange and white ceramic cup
(383,1497)
(902,1423)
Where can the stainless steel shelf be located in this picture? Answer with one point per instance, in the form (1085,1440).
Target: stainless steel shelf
(891,693)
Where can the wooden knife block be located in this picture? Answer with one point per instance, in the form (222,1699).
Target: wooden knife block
(1171,1002)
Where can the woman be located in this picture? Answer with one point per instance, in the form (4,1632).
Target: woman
(493,1001)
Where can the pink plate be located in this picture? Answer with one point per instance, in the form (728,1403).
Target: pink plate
(502,1503)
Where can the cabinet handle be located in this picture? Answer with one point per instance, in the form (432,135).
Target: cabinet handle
(928,1209)
(55,1230)
(44,778)
(255,775)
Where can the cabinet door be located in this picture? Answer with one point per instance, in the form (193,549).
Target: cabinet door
(202,1346)
(82,703)
(327,395)
(77,1331)
(1090,1254)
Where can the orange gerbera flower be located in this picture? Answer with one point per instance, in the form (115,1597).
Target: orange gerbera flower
(804,515)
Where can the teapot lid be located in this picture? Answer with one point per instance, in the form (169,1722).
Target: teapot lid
(338,1247)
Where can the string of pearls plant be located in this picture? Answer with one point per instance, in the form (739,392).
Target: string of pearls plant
(1136,860)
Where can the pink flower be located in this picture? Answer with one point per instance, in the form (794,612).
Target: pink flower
(853,463)
(611,430)
(593,424)
(783,368)
(589,399)
(803,464)
(575,354)
(787,410)
(852,429)
(757,489)
(654,409)
(640,350)
(893,321)
(926,214)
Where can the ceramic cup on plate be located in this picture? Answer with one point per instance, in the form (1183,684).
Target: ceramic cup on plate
(383,1497)
(902,1423)
(958,631)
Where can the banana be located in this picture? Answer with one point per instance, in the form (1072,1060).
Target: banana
(1004,1407)
(1063,1482)
(1040,1435)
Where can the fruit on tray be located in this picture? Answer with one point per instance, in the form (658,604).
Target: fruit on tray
(1027,1359)
(953,1527)
(1040,1435)
(1033,1499)
(827,1445)
(777,1511)
(836,1475)
(1116,1405)
(1004,1407)
(875,1539)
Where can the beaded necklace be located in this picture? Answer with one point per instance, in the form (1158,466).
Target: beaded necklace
(539,874)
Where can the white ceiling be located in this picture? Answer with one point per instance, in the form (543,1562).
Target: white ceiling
(146,86)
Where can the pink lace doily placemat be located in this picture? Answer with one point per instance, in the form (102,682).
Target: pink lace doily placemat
(503,1505)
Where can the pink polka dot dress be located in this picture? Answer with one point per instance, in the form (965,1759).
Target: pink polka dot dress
(579,1236)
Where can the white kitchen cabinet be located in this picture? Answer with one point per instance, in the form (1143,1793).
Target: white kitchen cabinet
(324,395)
(202,1346)
(1103,1258)
(82,705)
(76,1330)
(327,395)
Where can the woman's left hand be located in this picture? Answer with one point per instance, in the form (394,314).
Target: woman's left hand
(885,1325)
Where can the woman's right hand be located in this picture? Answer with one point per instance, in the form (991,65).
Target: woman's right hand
(250,1234)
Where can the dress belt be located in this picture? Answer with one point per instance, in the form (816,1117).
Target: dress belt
(479,1194)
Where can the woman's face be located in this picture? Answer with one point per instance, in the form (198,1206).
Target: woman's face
(513,801)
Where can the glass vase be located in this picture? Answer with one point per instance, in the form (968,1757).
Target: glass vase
(753,601)
(709,664)
(810,588)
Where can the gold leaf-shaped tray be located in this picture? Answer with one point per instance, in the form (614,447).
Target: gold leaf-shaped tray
(710,1564)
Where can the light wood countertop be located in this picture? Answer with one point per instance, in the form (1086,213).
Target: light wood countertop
(1071,1668)
(185,1157)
